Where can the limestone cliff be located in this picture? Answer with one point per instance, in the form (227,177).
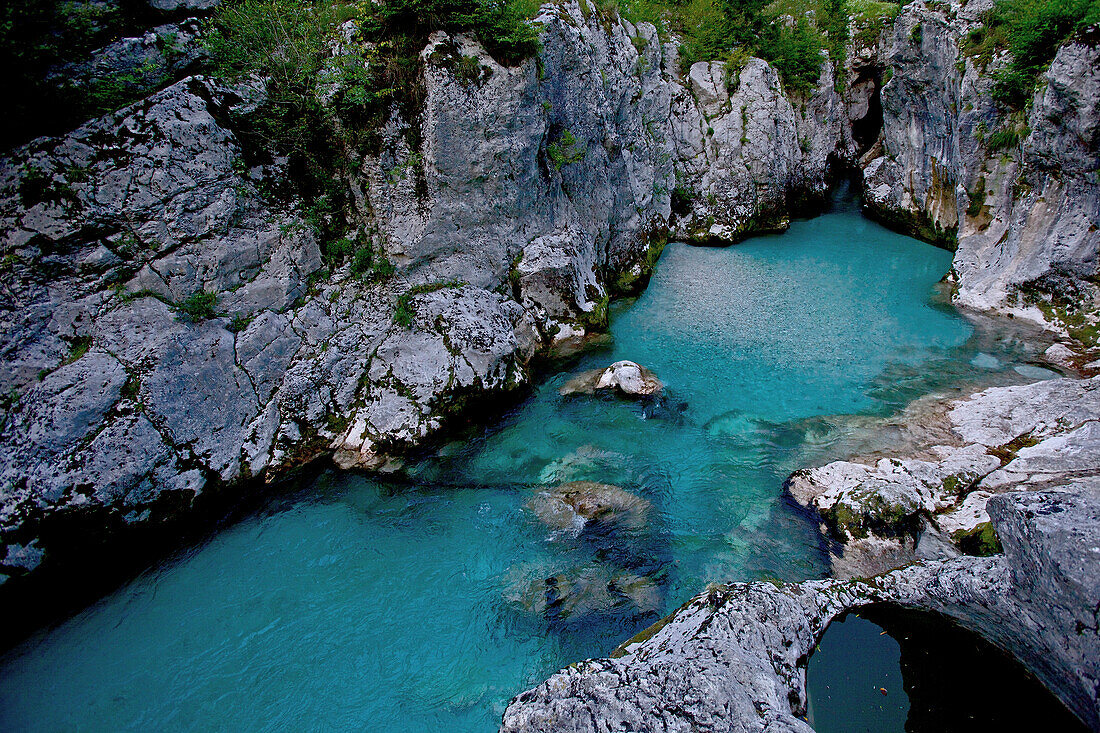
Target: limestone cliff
(172,330)
(1016,191)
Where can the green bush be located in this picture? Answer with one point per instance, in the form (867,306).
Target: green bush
(724,29)
(290,43)
(199,306)
(566,151)
(36,35)
(705,32)
(796,55)
(834,21)
(1033,30)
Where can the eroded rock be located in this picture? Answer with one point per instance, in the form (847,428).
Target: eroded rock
(577,505)
(623,377)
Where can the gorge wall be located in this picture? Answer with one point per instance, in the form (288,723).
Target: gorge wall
(172,333)
(171,330)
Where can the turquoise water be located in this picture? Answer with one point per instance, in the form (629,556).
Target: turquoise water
(423,602)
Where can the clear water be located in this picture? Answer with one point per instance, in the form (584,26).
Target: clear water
(856,693)
(889,670)
(408,604)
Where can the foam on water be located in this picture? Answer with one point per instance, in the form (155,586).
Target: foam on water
(366,604)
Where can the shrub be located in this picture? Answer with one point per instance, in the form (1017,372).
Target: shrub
(705,32)
(239,323)
(566,151)
(199,306)
(1003,139)
(1033,30)
(361,260)
(289,42)
(796,55)
(834,22)
(36,35)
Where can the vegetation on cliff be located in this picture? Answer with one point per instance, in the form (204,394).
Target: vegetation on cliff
(790,35)
(1032,30)
(335,72)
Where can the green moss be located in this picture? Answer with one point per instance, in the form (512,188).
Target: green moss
(1007,452)
(78,347)
(642,636)
(597,318)
(916,36)
(1071,311)
(841,517)
(981,541)
(404,314)
(977,198)
(565,151)
(131,387)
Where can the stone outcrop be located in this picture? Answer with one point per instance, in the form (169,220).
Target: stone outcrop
(748,155)
(1015,191)
(625,378)
(734,658)
(893,511)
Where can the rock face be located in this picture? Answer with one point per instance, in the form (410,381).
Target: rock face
(734,658)
(893,511)
(170,330)
(748,154)
(170,327)
(1016,192)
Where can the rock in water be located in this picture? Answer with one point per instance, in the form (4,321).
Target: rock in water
(578,504)
(733,658)
(587,590)
(624,377)
(629,378)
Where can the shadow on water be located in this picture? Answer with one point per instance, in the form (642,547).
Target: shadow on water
(885,669)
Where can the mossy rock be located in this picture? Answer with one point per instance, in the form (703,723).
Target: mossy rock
(982,541)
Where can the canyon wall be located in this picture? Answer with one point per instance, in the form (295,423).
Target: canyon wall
(1016,191)
(172,333)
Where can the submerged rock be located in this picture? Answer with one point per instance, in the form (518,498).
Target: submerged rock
(588,590)
(578,505)
(585,461)
(623,377)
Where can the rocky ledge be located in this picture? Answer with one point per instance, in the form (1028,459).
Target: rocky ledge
(932,504)
(1012,472)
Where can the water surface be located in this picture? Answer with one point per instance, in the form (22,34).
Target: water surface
(888,670)
(408,605)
